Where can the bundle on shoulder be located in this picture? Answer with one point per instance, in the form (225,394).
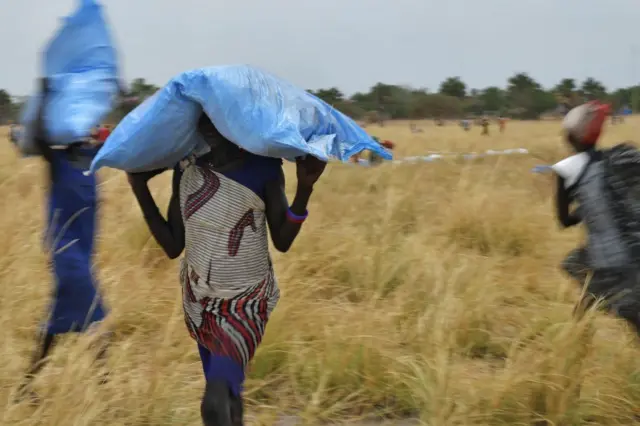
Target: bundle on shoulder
(254,109)
(80,62)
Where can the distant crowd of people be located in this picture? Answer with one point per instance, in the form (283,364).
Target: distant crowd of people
(484,122)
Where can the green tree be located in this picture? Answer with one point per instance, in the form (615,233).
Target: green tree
(492,99)
(527,99)
(521,82)
(334,97)
(331,96)
(593,90)
(634,95)
(629,96)
(565,88)
(377,99)
(438,106)
(142,89)
(453,86)
(621,97)
(364,101)
(351,109)
(523,98)
(390,100)
(543,102)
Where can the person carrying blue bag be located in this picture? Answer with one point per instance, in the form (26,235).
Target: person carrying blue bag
(79,88)
(221,206)
(71,216)
(224,131)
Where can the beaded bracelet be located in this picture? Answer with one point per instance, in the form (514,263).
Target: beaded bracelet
(292,217)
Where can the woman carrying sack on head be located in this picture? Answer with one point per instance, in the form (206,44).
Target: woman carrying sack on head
(221,206)
(605,185)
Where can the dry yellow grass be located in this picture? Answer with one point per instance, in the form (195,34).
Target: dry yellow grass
(413,290)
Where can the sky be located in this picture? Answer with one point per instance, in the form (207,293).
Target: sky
(350,44)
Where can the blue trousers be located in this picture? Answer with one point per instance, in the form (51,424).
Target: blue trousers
(218,367)
(70,238)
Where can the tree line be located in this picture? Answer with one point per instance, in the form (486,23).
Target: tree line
(522,98)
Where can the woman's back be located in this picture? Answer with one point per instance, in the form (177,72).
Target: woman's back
(226,240)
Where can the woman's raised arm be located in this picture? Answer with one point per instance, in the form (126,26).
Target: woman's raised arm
(168,233)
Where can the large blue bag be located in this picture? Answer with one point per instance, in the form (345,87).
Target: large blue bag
(81,64)
(252,108)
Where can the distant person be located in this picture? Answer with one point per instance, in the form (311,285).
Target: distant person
(223,208)
(374,158)
(77,304)
(415,129)
(624,111)
(465,124)
(15,132)
(502,123)
(485,125)
(603,183)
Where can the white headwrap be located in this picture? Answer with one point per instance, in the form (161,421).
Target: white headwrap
(585,122)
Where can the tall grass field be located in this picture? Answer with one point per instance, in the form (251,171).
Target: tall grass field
(426,291)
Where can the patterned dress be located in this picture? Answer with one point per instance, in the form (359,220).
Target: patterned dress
(228,285)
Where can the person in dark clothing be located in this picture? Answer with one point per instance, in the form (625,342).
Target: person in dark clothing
(606,263)
(77,305)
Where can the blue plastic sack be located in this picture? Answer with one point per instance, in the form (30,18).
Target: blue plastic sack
(252,108)
(81,64)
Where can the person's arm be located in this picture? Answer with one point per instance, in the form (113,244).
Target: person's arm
(168,233)
(284,221)
(563,203)
(283,231)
